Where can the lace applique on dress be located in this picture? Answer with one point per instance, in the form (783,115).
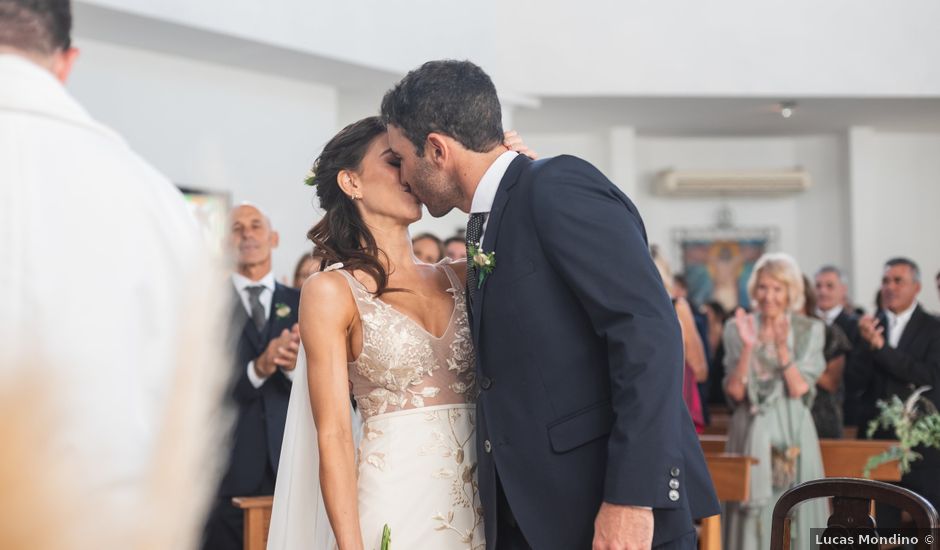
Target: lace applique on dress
(401,365)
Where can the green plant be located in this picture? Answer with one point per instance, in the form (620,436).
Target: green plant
(912,425)
(386,538)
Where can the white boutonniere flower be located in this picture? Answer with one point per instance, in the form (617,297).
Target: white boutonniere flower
(281,310)
(485,262)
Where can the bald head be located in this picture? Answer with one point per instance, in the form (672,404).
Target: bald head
(252,240)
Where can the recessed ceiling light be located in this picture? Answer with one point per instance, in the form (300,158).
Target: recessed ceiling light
(787,108)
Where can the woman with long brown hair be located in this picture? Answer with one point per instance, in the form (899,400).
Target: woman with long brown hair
(393,331)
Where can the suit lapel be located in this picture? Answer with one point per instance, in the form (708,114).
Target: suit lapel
(276,324)
(910,331)
(492,230)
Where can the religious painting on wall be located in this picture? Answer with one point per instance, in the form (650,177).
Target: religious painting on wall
(210,209)
(718,263)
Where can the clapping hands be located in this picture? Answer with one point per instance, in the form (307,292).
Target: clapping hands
(871,330)
(746,327)
(281,352)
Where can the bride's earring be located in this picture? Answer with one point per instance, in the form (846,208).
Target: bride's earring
(355,197)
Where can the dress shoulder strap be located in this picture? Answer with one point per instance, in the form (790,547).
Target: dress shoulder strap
(364,300)
(446,265)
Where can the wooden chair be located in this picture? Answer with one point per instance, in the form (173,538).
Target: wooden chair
(731,475)
(257,512)
(852,500)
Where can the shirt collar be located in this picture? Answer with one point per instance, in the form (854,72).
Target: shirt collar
(829,316)
(241,282)
(486,191)
(903,317)
(31,89)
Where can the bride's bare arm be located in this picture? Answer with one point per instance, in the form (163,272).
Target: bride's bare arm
(327,310)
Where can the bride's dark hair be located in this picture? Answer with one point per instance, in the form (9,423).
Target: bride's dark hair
(342,236)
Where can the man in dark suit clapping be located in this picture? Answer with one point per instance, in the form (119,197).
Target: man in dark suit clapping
(265,340)
(902,353)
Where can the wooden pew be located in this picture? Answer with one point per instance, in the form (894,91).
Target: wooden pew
(257,512)
(731,475)
(841,457)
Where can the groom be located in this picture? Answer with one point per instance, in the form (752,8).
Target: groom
(584,440)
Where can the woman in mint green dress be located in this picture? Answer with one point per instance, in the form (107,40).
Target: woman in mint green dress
(773,359)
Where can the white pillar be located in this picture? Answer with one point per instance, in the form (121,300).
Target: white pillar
(865,203)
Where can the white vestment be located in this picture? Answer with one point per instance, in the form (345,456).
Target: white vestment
(98,257)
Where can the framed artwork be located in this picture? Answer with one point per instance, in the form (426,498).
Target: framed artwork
(210,208)
(718,262)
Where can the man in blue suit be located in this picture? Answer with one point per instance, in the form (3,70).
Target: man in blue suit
(584,440)
(265,340)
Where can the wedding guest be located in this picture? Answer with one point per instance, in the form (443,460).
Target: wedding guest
(831,295)
(428,248)
(696,366)
(129,326)
(307,265)
(680,287)
(773,359)
(937,280)
(901,351)
(827,406)
(265,340)
(716,316)
(455,248)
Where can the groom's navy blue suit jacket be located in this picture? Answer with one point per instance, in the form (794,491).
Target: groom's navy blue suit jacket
(262,411)
(580,364)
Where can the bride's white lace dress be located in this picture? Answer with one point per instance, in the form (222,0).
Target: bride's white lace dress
(417,455)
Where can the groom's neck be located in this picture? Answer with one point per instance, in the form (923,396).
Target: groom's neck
(472,170)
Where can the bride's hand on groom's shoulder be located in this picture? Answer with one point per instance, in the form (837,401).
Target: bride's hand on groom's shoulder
(620,527)
(513,141)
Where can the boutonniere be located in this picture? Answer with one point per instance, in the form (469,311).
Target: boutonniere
(282,310)
(485,262)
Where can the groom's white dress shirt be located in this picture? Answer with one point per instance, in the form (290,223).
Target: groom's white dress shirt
(100,257)
(267,295)
(485,193)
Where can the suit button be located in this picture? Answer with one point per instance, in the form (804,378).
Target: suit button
(486,383)
(487,446)
(674,472)
(673,495)
(673,483)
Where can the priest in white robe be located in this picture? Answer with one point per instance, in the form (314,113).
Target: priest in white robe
(105,299)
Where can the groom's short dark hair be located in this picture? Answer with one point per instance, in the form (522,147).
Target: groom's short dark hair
(36,26)
(454,98)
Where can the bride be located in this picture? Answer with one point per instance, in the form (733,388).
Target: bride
(392,331)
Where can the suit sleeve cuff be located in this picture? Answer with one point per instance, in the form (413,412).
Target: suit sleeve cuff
(253,377)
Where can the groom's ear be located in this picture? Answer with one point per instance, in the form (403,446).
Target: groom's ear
(437,149)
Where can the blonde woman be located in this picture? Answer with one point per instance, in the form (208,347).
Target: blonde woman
(773,358)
